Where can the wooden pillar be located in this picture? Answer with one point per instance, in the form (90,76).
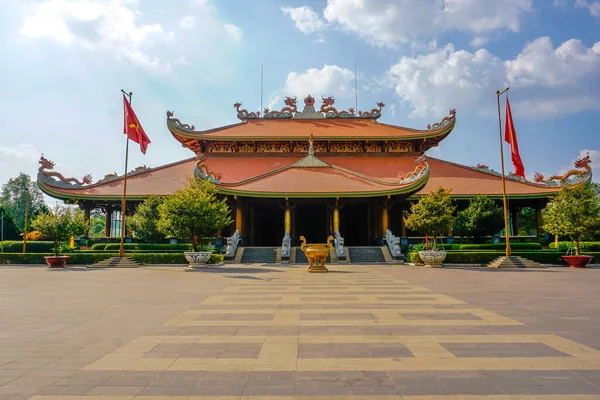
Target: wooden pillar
(336,216)
(239,217)
(515,221)
(108,222)
(384,220)
(538,219)
(402,224)
(287,218)
(86,219)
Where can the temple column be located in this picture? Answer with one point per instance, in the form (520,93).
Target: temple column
(239,217)
(108,222)
(336,217)
(538,219)
(86,219)
(515,220)
(287,218)
(402,224)
(384,220)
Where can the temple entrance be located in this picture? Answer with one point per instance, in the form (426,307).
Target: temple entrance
(354,224)
(311,222)
(268,225)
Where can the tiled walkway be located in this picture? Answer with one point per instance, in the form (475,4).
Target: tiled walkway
(281,333)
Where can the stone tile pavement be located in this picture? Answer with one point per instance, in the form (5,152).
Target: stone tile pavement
(269,332)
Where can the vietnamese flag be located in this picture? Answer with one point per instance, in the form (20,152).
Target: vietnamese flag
(510,136)
(132,127)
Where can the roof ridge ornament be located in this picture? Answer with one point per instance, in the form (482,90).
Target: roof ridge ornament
(286,112)
(177,122)
(445,121)
(565,179)
(417,173)
(45,171)
(311,161)
(243,114)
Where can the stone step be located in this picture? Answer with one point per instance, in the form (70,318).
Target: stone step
(366,255)
(259,255)
(514,262)
(118,262)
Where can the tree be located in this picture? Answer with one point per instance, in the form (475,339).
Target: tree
(527,221)
(432,215)
(59,224)
(480,219)
(193,212)
(144,223)
(11,232)
(14,193)
(97,223)
(574,212)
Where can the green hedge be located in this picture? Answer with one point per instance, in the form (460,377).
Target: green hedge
(128,251)
(16,246)
(149,246)
(584,246)
(484,257)
(502,246)
(38,258)
(170,258)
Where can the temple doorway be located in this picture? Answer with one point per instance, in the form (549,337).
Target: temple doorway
(311,222)
(354,224)
(268,225)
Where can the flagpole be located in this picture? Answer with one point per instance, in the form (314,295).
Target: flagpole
(124,202)
(498,94)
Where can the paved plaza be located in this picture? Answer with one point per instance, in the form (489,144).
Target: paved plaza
(269,332)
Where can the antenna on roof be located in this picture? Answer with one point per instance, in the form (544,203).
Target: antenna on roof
(355,89)
(261,89)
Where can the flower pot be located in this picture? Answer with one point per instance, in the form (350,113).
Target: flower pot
(577,261)
(56,261)
(433,258)
(197,259)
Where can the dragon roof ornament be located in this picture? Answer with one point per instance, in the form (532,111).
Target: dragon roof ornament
(177,122)
(581,172)
(202,171)
(420,170)
(445,121)
(290,110)
(46,173)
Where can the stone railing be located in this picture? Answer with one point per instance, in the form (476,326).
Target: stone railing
(286,245)
(393,244)
(232,244)
(340,252)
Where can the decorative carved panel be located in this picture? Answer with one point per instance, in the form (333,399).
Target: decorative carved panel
(346,147)
(221,147)
(373,147)
(245,147)
(273,147)
(320,147)
(399,147)
(300,147)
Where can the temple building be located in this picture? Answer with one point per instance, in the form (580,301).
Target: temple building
(312,172)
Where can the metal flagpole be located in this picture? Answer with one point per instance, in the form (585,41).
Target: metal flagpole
(261,89)
(124,202)
(25,223)
(498,94)
(2,238)
(355,90)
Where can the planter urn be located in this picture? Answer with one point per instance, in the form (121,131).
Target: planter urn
(433,258)
(56,261)
(577,261)
(197,259)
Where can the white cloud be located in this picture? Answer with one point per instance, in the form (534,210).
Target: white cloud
(187,22)
(234,31)
(397,22)
(479,41)
(107,25)
(549,82)
(331,80)
(305,19)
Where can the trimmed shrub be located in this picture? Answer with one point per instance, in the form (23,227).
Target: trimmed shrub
(150,246)
(501,246)
(38,258)
(160,258)
(484,257)
(216,258)
(585,246)
(98,246)
(16,246)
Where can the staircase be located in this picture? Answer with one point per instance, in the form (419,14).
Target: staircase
(118,262)
(259,255)
(301,257)
(514,262)
(366,255)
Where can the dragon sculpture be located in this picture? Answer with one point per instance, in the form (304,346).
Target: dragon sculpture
(202,171)
(286,112)
(482,166)
(443,122)
(331,112)
(46,167)
(178,122)
(374,113)
(583,163)
(243,114)
(418,171)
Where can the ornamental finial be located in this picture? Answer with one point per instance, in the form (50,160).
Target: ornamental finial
(309,101)
(311,149)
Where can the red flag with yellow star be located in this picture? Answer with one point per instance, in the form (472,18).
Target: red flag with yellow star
(132,127)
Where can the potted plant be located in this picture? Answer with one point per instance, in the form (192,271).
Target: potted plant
(59,225)
(575,213)
(433,215)
(193,213)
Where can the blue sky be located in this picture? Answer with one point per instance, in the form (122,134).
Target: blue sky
(65,61)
